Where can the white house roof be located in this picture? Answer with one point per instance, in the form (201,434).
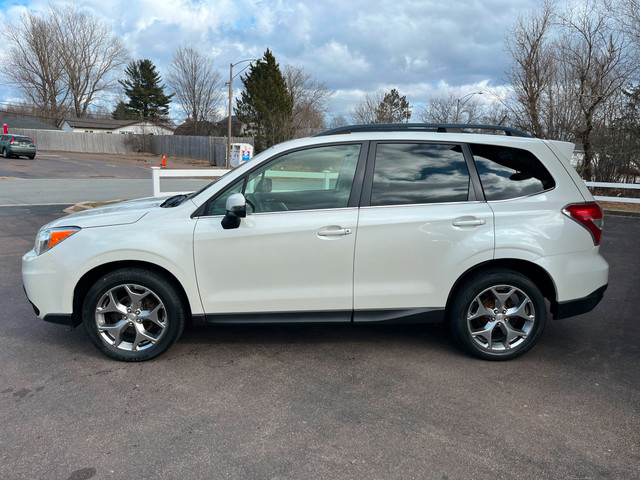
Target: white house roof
(104,123)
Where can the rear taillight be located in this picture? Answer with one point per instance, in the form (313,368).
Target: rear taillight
(12,138)
(589,215)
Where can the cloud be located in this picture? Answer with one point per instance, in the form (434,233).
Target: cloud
(356,46)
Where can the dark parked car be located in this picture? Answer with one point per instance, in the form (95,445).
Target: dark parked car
(16,146)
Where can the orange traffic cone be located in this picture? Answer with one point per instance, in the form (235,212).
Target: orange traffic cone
(164,162)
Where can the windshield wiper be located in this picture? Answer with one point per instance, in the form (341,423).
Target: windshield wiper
(174,201)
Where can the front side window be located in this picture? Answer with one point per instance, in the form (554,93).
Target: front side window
(418,173)
(310,179)
(507,172)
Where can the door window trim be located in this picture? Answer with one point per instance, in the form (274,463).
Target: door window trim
(356,186)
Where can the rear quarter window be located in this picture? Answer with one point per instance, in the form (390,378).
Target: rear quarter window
(507,172)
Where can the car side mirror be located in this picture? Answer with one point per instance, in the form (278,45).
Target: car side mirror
(236,209)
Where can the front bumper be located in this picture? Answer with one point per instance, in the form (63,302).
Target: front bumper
(49,287)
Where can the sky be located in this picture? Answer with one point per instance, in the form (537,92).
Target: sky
(419,47)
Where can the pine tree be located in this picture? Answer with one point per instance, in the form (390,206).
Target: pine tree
(265,105)
(393,108)
(122,112)
(144,88)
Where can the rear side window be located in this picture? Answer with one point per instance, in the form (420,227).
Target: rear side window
(418,173)
(507,172)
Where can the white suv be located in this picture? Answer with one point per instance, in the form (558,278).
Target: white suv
(391,223)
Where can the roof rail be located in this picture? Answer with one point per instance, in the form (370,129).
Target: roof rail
(423,127)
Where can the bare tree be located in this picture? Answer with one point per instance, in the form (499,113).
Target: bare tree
(627,12)
(197,85)
(533,69)
(598,64)
(365,111)
(444,109)
(89,52)
(338,121)
(310,100)
(40,75)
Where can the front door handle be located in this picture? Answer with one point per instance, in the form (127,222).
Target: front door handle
(334,232)
(468,222)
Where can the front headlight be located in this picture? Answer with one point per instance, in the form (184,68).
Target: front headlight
(47,238)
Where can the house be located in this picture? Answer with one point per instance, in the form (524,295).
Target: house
(25,123)
(108,125)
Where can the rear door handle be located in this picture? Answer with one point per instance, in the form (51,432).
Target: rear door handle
(334,232)
(468,222)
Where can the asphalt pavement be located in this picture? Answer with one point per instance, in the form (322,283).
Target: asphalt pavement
(318,402)
(69,179)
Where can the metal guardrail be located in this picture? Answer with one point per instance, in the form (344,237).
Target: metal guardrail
(157,173)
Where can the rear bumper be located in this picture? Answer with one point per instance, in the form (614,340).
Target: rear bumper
(21,151)
(579,306)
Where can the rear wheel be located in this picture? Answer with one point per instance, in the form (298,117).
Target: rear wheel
(133,314)
(31,157)
(4,153)
(498,315)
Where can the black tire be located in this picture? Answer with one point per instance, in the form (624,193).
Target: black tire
(31,157)
(497,315)
(4,153)
(136,307)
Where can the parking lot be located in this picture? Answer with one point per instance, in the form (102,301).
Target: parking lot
(305,402)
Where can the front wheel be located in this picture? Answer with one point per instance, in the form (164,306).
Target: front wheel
(133,314)
(498,315)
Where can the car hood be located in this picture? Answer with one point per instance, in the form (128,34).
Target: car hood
(114,214)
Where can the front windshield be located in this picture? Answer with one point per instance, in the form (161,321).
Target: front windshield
(195,194)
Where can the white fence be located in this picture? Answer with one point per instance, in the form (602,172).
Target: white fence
(632,186)
(157,173)
(212,149)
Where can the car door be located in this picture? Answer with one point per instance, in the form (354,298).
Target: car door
(422,224)
(291,258)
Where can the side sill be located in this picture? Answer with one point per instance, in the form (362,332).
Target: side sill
(275,318)
(582,305)
(400,316)
(62,319)
(391,316)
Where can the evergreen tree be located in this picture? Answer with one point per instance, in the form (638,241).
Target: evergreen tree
(266,105)
(393,108)
(122,112)
(144,88)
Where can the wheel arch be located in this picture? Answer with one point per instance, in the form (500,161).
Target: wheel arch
(538,275)
(88,280)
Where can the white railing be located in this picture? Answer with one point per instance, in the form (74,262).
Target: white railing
(157,173)
(632,186)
